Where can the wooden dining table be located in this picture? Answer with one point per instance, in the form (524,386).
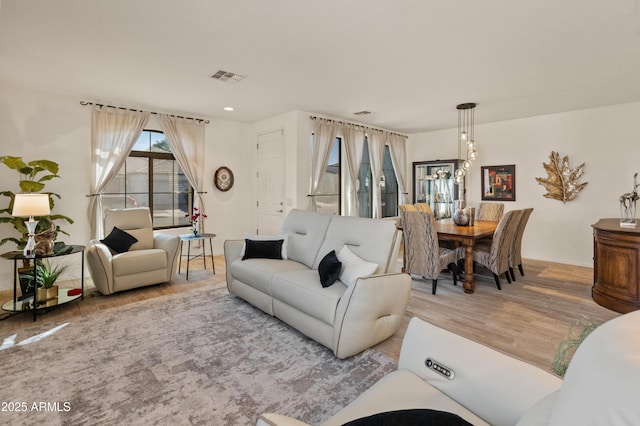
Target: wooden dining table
(465,236)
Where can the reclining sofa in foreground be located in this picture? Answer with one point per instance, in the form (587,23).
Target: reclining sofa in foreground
(363,307)
(441,371)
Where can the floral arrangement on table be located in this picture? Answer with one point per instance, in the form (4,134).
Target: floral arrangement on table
(195,220)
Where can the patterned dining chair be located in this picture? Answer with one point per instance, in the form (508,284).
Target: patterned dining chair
(494,254)
(490,211)
(424,257)
(515,256)
(407,208)
(424,207)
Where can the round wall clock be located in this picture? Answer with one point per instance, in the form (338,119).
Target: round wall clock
(223,179)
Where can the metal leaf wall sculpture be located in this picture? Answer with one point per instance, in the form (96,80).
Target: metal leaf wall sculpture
(562,183)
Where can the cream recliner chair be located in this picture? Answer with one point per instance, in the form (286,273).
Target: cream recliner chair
(151,260)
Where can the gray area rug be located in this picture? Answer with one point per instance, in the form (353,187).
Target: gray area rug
(200,357)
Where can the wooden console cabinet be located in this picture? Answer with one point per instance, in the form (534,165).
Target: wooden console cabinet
(616,266)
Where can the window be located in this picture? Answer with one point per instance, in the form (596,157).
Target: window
(328,195)
(151,177)
(388,185)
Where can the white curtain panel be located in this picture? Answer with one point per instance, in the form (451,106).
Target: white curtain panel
(186,139)
(324,134)
(353,141)
(377,141)
(113,134)
(398,150)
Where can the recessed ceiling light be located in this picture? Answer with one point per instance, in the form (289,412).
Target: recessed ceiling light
(229,108)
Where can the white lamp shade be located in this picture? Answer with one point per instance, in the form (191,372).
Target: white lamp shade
(25,205)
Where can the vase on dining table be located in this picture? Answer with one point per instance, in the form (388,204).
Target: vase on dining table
(461,215)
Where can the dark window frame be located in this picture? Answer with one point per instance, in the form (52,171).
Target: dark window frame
(151,156)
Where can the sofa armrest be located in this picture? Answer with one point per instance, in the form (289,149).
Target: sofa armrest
(99,262)
(170,244)
(232,250)
(496,387)
(272,419)
(370,311)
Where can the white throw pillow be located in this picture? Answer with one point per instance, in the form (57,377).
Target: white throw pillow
(284,237)
(353,267)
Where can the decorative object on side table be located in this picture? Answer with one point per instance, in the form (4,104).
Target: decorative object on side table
(30,205)
(46,276)
(628,205)
(195,221)
(562,183)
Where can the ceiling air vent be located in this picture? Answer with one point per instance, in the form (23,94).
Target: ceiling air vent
(227,76)
(362,113)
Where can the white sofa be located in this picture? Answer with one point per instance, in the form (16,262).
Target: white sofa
(601,385)
(346,319)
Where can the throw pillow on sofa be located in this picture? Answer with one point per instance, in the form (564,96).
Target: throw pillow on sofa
(263,249)
(119,240)
(256,237)
(329,269)
(353,267)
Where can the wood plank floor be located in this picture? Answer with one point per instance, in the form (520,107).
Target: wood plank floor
(527,319)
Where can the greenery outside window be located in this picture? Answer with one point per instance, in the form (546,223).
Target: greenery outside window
(151,177)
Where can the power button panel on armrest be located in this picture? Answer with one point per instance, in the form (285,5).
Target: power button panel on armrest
(440,368)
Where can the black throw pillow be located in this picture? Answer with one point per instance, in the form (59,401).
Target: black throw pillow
(268,249)
(119,240)
(329,269)
(416,417)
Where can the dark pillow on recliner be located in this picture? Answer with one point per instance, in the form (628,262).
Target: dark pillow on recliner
(119,241)
(329,269)
(416,417)
(268,249)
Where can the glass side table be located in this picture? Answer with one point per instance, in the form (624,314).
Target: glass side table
(200,237)
(30,301)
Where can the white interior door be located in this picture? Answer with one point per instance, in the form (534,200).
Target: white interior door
(271,182)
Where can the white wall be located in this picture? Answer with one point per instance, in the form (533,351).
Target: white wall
(606,139)
(40,125)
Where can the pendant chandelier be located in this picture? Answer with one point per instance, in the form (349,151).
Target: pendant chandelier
(466,140)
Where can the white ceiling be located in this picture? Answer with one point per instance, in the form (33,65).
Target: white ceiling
(408,61)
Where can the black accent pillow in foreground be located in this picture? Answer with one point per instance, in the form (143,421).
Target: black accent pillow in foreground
(329,269)
(416,417)
(268,249)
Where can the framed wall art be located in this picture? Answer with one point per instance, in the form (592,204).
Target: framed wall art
(498,183)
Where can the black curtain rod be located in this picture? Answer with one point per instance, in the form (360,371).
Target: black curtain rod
(313,117)
(85,103)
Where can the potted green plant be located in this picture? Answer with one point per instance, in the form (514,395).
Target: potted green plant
(46,276)
(32,177)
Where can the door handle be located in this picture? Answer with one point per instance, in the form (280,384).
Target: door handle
(279,211)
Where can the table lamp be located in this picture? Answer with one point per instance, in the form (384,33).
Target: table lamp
(30,205)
